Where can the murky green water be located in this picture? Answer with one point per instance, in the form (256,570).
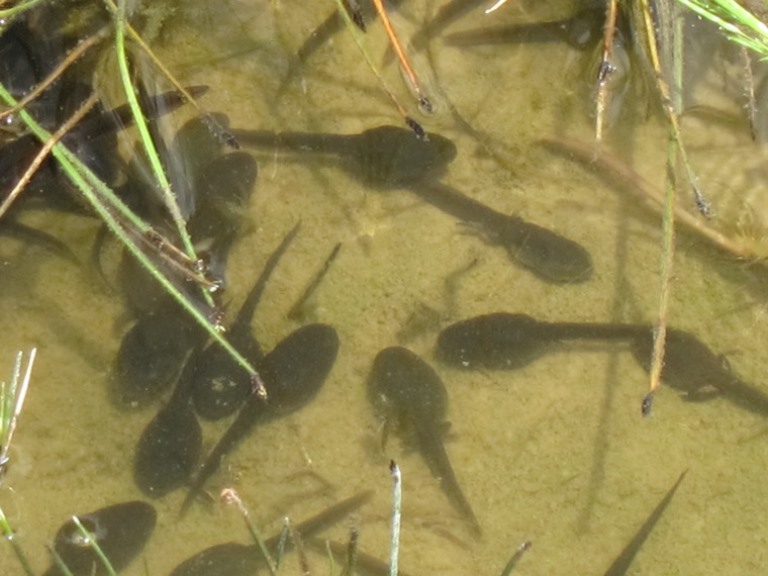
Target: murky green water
(556,453)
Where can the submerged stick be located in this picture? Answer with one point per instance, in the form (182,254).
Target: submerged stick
(667,264)
(606,68)
(621,176)
(68,60)
(424,102)
(42,155)
(410,122)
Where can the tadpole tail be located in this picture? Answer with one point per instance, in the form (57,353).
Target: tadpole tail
(243,320)
(440,466)
(299,142)
(326,518)
(249,416)
(746,396)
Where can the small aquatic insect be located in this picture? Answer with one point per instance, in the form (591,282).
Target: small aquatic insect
(408,393)
(293,373)
(120,530)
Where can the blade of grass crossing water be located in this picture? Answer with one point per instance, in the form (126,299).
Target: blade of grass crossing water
(91,541)
(10,537)
(103,200)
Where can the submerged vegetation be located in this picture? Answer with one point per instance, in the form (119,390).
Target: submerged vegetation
(153,157)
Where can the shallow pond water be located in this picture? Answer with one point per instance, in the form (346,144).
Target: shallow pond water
(555,452)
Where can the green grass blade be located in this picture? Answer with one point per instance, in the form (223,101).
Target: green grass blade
(91,541)
(143,129)
(10,536)
(737,23)
(103,200)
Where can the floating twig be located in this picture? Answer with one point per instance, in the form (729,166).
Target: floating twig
(623,177)
(424,102)
(606,68)
(410,122)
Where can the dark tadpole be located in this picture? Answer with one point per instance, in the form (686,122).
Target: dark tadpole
(692,368)
(408,393)
(220,386)
(171,444)
(383,158)
(504,341)
(233,559)
(151,354)
(550,256)
(93,141)
(293,373)
(222,190)
(121,531)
